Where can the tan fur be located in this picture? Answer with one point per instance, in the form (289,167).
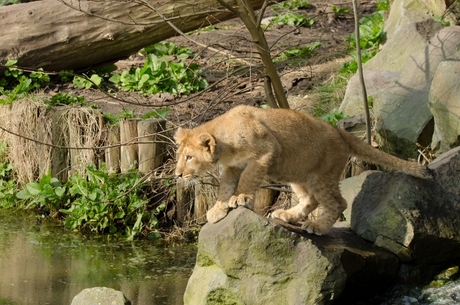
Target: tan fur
(286,146)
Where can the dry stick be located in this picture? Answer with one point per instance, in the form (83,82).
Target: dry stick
(360,73)
(247,15)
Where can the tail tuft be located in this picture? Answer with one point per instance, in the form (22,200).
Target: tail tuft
(422,172)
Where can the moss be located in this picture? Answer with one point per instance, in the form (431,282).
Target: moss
(222,296)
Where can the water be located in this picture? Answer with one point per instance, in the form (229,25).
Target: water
(449,294)
(45,264)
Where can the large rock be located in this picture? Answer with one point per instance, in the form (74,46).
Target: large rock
(248,259)
(400,105)
(444,105)
(100,296)
(404,69)
(405,12)
(419,220)
(376,81)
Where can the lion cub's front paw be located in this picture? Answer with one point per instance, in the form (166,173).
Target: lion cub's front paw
(279,214)
(216,213)
(285,216)
(315,228)
(243,200)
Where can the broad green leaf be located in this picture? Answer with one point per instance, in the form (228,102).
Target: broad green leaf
(33,188)
(23,194)
(60,191)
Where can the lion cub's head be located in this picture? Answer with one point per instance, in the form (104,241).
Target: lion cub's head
(196,153)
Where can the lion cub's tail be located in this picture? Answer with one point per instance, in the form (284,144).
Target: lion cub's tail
(367,153)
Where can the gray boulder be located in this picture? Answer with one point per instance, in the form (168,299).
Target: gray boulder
(399,78)
(100,296)
(248,259)
(418,220)
(443,104)
(400,104)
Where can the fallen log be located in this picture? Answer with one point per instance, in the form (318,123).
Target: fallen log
(69,34)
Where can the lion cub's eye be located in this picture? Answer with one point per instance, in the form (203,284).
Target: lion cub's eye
(188,158)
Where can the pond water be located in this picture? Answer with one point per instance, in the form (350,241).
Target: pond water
(46,264)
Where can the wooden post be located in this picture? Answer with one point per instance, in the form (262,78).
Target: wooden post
(76,138)
(112,155)
(128,132)
(264,200)
(151,150)
(59,156)
(44,135)
(185,196)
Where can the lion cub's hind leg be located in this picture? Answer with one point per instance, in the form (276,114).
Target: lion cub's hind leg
(333,205)
(299,212)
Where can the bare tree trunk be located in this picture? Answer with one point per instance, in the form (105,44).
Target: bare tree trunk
(252,23)
(71,34)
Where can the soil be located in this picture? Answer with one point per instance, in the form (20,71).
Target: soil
(299,76)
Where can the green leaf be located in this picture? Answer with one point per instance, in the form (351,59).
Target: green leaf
(60,191)
(96,79)
(93,195)
(11,63)
(116,78)
(33,188)
(23,194)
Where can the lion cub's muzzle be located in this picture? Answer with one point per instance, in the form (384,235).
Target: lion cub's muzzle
(184,176)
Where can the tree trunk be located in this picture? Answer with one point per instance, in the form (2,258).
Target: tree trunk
(69,34)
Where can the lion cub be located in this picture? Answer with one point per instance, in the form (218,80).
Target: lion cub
(284,145)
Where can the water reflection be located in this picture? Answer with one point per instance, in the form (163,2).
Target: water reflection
(42,264)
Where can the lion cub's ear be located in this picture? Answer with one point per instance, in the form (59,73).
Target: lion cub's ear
(180,134)
(208,142)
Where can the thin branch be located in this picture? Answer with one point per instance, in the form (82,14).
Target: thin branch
(361,74)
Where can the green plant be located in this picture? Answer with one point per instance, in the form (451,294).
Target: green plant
(8,186)
(87,81)
(16,83)
(161,75)
(97,201)
(292,5)
(47,194)
(293,19)
(92,78)
(328,95)
(371,35)
(66,75)
(334,116)
(304,52)
(157,114)
(65,99)
(109,203)
(168,49)
(383,5)
(114,119)
(340,10)
(9,2)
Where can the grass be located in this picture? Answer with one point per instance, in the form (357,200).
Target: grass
(329,94)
